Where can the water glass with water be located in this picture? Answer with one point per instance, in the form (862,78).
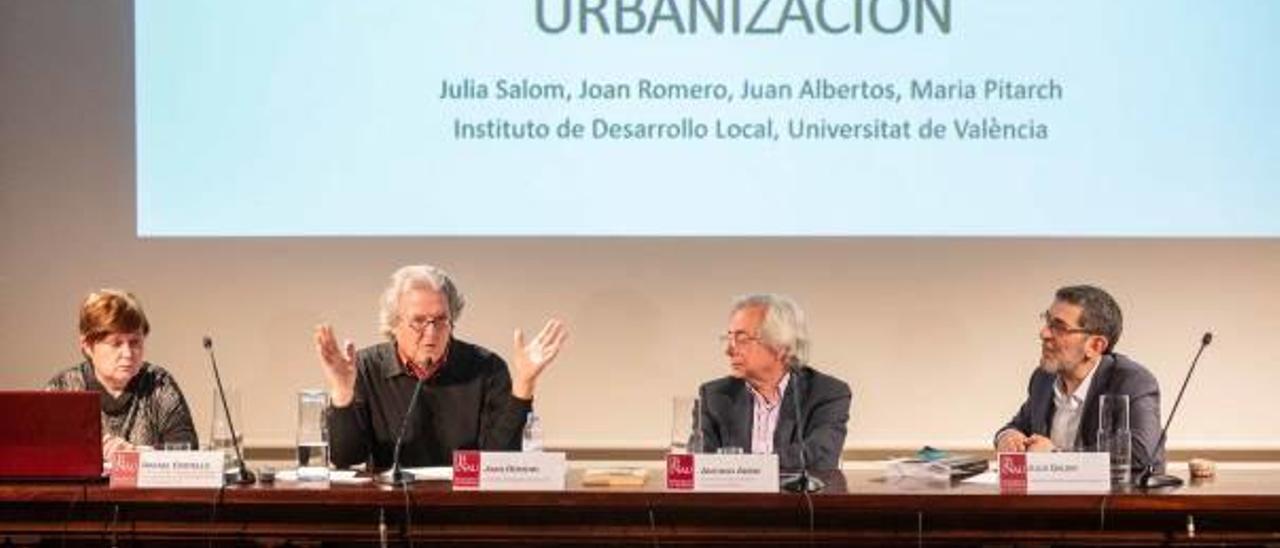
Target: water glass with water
(1114,436)
(686,426)
(313,436)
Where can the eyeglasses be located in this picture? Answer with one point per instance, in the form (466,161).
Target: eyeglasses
(1060,328)
(421,323)
(737,339)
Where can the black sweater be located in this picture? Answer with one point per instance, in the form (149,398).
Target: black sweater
(467,404)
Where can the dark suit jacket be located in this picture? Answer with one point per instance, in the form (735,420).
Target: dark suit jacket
(727,418)
(1116,374)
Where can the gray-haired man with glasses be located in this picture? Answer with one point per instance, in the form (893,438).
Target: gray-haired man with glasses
(1078,363)
(470,397)
(752,409)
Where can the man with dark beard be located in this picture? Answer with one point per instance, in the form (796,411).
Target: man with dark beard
(1077,366)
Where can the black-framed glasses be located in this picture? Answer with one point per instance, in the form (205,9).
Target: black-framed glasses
(1059,327)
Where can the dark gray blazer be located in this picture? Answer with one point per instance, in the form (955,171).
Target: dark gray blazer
(1116,374)
(727,418)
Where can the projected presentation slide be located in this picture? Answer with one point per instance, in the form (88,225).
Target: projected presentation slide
(1005,118)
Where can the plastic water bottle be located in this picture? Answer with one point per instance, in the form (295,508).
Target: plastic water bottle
(532,433)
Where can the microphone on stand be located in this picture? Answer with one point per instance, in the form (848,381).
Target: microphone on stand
(396,475)
(1149,479)
(803,482)
(246,477)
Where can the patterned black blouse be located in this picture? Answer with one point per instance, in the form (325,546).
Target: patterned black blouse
(151,410)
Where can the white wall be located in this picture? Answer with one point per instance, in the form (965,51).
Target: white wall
(936,336)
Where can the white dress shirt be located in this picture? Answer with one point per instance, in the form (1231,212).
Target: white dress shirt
(1067,411)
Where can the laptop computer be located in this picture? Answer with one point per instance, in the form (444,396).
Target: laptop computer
(50,435)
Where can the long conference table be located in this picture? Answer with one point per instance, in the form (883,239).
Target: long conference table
(857,508)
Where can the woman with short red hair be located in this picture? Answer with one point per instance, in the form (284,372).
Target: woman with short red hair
(141,402)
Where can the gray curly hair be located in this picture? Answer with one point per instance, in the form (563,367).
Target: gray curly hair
(412,277)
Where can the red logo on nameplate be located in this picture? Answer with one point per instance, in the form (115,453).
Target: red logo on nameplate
(1013,471)
(124,469)
(466,469)
(679,471)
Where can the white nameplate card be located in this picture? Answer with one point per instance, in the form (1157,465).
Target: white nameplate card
(167,469)
(745,473)
(508,471)
(1055,472)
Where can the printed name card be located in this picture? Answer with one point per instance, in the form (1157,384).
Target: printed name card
(167,469)
(745,473)
(508,471)
(1055,472)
